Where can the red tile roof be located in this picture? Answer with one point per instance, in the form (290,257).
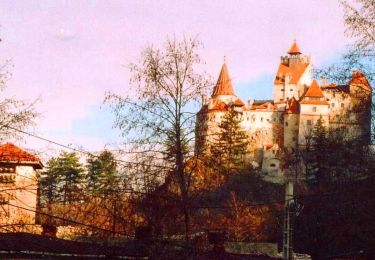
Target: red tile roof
(219,105)
(296,72)
(10,153)
(262,106)
(294,49)
(224,83)
(238,103)
(314,90)
(360,79)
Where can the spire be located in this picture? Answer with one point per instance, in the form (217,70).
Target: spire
(294,49)
(224,83)
(314,90)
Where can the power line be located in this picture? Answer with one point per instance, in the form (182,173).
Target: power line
(79,150)
(62,219)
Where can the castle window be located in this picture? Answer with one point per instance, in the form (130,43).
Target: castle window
(286,123)
(314,109)
(291,89)
(272,165)
(333,105)
(261,119)
(308,122)
(293,138)
(282,89)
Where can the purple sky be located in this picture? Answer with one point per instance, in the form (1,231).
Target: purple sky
(70,52)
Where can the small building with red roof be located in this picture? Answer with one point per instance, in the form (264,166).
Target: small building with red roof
(18,186)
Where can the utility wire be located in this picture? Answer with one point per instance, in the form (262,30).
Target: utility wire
(76,149)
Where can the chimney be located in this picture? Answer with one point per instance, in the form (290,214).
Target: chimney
(210,103)
(203,99)
(323,81)
(249,103)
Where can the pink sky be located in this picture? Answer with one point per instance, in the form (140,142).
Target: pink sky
(70,52)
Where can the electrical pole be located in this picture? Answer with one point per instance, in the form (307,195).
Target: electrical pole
(114,217)
(288,225)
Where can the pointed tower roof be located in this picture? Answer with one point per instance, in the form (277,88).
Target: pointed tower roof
(314,90)
(294,49)
(224,83)
(314,95)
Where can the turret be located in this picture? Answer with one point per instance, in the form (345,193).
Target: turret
(313,107)
(293,73)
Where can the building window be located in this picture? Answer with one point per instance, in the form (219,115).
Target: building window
(286,123)
(272,165)
(282,90)
(261,119)
(314,109)
(291,90)
(308,122)
(333,105)
(293,138)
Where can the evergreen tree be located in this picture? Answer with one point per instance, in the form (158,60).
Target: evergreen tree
(63,178)
(102,175)
(317,170)
(48,183)
(231,142)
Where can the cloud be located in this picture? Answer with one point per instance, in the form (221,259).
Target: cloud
(65,34)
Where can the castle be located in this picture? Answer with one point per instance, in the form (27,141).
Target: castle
(285,122)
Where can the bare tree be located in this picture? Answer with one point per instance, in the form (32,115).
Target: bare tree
(14,113)
(156,117)
(359,18)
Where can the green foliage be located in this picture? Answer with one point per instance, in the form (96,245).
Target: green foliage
(231,143)
(334,156)
(102,175)
(62,180)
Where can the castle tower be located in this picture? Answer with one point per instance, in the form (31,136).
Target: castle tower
(361,101)
(293,76)
(291,124)
(313,107)
(210,115)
